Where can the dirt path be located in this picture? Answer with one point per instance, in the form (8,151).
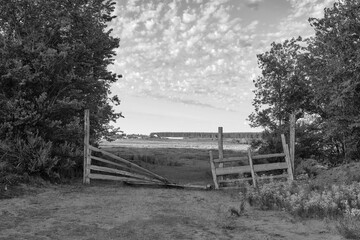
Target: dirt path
(116,212)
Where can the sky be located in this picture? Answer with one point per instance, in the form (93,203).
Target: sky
(189,65)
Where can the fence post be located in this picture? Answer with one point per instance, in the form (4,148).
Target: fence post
(292,141)
(252,168)
(221,149)
(287,157)
(87,153)
(213,172)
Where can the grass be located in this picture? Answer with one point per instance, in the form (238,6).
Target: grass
(333,194)
(166,156)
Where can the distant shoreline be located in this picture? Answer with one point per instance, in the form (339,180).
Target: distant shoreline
(205,144)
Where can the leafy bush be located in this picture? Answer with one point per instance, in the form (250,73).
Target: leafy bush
(341,202)
(31,156)
(304,201)
(310,167)
(349,227)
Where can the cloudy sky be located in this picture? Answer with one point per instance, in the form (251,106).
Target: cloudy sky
(188,65)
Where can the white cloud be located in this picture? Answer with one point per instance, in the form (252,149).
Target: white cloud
(188,18)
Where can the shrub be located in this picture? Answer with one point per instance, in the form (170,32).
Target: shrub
(31,156)
(304,201)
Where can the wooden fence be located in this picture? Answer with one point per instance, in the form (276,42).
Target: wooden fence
(100,164)
(226,175)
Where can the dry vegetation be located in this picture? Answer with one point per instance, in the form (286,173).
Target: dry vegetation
(110,211)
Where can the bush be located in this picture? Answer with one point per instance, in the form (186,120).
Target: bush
(304,201)
(32,156)
(349,226)
(340,202)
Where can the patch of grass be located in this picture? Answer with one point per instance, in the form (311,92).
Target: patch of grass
(349,227)
(167,156)
(338,202)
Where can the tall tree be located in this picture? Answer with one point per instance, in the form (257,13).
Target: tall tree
(282,86)
(334,72)
(53,64)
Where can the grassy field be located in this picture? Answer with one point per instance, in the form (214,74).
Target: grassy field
(180,162)
(110,210)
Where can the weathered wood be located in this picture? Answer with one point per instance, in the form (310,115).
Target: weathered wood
(87,151)
(273,155)
(122,166)
(292,140)
(110,162)
(128,163)
(124,173)
(232,170)
(169,185)
(212,165)
(247,169)
(221,148)
(253,176)
(114,178)
(270,166)
(231,159)
(287,156)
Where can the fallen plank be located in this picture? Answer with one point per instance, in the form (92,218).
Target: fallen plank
(170,185)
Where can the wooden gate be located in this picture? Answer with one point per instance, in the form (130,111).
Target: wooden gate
(100,164)
(223,169)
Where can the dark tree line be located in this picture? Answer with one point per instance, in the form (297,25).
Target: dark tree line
(319,80)
(53,65)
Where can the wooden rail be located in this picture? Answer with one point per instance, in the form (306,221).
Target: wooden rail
(114,167)
(224,175)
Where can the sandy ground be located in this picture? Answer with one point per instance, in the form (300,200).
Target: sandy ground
(105,211)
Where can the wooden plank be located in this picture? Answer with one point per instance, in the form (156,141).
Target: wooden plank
(230,159)
(232,170)
(114,178)
(287,157)
(273,155)
(292,140)
(171,185)
(128,163)
(247,169)
(235,180)
(87,151)
(123,167)
(127,174)
(252,168)
(212,165)
(270,166)
(221,147)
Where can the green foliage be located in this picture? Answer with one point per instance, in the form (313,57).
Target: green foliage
(304,201)
(282,86)
(53,65)
(31,156)
(334,72)
(317,76)
(339,202)
(349,227)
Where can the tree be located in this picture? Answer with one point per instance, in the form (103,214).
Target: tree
(282,87)
(334,71)
(53,65)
